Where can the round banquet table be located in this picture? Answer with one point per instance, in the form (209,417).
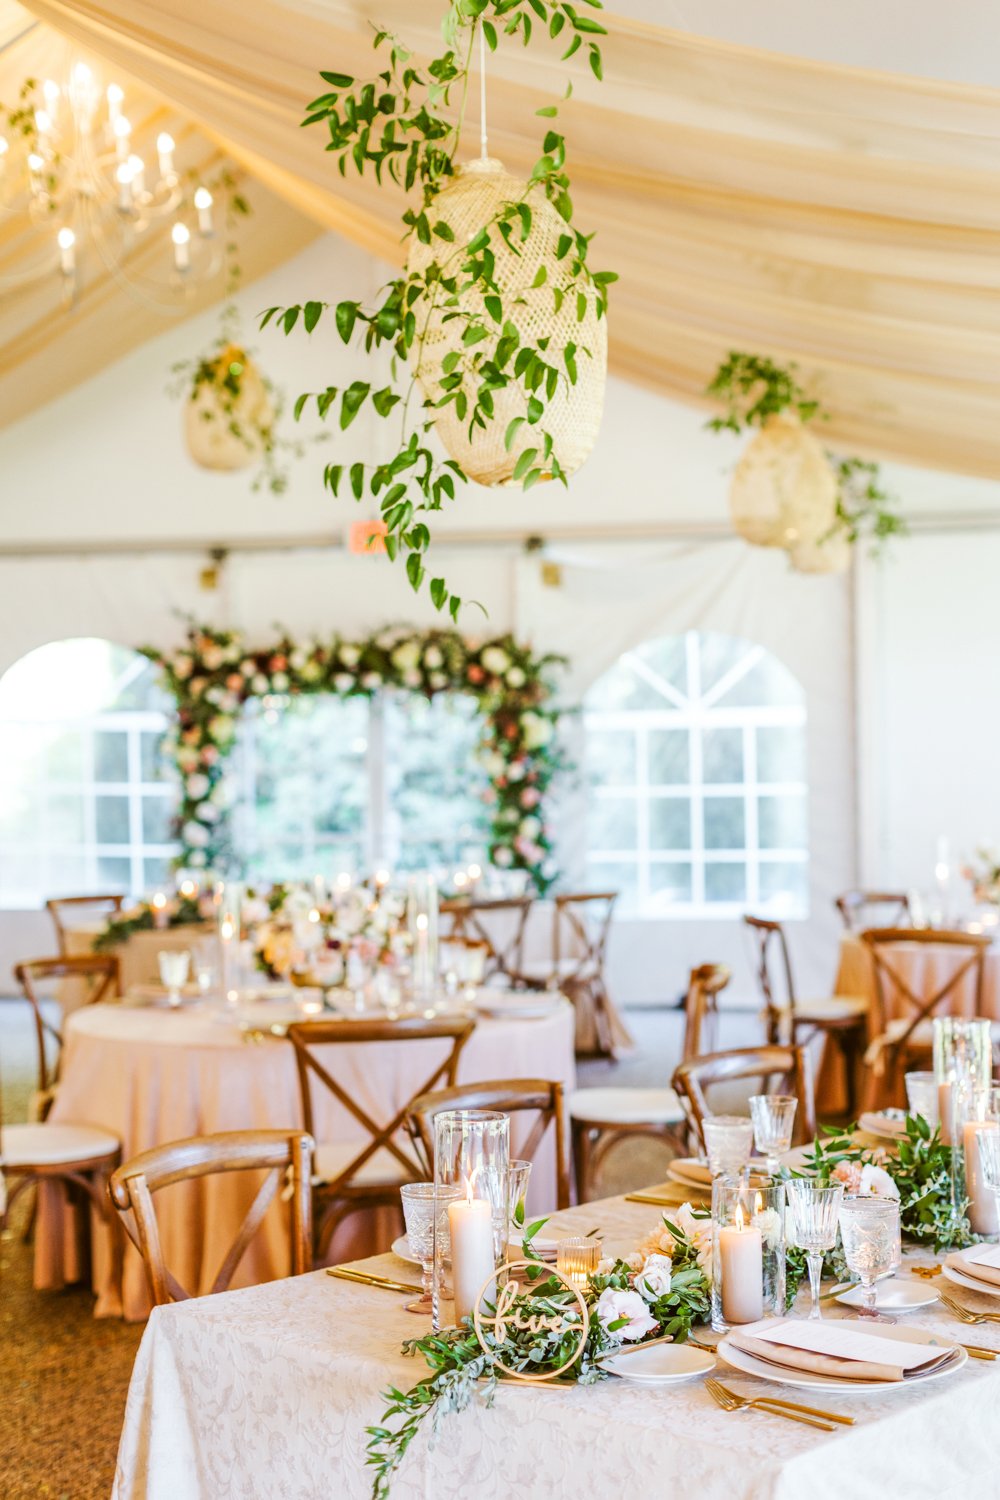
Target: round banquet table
(925,968)
(154,1076)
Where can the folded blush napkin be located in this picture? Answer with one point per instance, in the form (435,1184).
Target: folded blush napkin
(981,1263)
(834,1350)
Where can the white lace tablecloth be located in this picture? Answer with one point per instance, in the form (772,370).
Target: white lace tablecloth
(264,1394)
(154,1076)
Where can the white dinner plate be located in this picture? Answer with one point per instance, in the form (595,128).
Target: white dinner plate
(665,1364)
(749,1364)
(690,1172)
(894,1296)
(888,1124)
(971,1282)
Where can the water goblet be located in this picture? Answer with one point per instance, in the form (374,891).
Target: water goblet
(814,1211)
(422,1203)
(174,969)
(922,1096)
(869,1231)
(518,1173)
(988,1140)
(773,1117)
(728,1139)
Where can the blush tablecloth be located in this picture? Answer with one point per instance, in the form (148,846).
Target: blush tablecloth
(266,1392)
(924,968)
(153,1076)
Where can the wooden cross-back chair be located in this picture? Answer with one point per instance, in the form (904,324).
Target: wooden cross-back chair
(772,1069)
(856,907)
(581,926)
(285,1155)
(61,907)
(544,1097)
(898,1041)
(701,1009)
(471,918)
(354,1175)
(101,968)
(840,1020)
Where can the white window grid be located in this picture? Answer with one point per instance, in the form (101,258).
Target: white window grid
(133,723)
(694,715)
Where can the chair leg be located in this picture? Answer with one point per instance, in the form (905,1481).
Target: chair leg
(581,1159)
(27,1234)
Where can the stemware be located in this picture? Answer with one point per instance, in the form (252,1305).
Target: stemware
(728,1139)
(814,1211)
(518,1174)
(922,1096)
(174,969)
(988,1139)
(773,1117)
(423,1202)
(869,1231)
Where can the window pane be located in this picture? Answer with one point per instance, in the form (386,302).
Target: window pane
(670,823)
(784,886)
(64,757)
(722,755)
(155,766)
(725,882)
(769,684)
(781,754)
(112,820)
(156,872)
(611,757)
(781,822)
(613,823)
(157,820)
(435,809)
(724,823)
(643,678)
(669,757)
(67,873)
(668,884)
(113,872)
(612,875)
(64,820)
(718,654)
(110,755)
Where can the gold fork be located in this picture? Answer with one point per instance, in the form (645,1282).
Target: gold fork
(730,1401)
(966,1314)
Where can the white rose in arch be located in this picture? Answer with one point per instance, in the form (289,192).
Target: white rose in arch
(213,658)
(248,667)
(371,680)
(182,666)
(406,656)
(298,659)
(516,678)
(228,702)
(197,859)
(187,759)
(343,681)
(438,680)
(197,786)
(535,730)
(221,728)
(195,835)
(495,660)
(530,828)
(349,655)
(311,671)
(412,678)
(503,857)
(280,682)
(433,657)
(207,812)
(493,764)
(515,771)
(260,683)
(232,652)
(653,1280)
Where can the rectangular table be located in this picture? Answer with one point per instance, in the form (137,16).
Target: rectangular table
(266,1392)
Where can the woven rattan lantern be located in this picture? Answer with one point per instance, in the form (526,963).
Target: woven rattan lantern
(573,417)
(228,418)
(831,554)
(784,491)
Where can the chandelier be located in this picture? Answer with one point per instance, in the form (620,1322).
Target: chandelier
(93,193)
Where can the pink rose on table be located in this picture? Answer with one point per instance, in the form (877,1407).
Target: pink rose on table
(613,1306)
(865,1181)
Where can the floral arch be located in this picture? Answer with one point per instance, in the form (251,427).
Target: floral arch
(214,674)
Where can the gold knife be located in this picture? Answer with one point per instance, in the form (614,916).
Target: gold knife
(977,1351)
(366,1278)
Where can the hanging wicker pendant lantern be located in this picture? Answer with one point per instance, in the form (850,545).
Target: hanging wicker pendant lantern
(229,415)
(784,491)
(573,416)
(832,555)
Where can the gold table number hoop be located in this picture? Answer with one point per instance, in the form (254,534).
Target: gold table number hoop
(505,1315)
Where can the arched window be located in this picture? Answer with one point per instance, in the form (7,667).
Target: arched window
(696,780)
(86,800)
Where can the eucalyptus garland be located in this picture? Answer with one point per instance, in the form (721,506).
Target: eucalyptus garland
(754,388)
(406,125)
(181,912)
(214,674)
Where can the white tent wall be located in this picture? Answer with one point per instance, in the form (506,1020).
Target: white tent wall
(104,467)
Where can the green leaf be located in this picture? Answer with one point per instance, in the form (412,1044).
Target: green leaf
(439,592)
(337,80)
(346,316)
(351,402)
(358,480)
(524,462)
(414,570)
(511,432)
(311,314)
(490,33)
(548,111)
(267,316)
(300,405)
(494,307)
(454,605)
(289,318)
(540,276)
(384,400)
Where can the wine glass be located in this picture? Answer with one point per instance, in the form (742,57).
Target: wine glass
(988,1141)
(773,1117)
(518,1173)
(728,1139)
(422,1201)
(174,969)
(869,1231)
(922,1096)
(814,1211)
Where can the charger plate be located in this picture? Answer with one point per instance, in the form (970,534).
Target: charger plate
(749,1364)
(971,1282)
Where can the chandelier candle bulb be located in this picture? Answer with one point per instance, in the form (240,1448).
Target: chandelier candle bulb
(43,122)
(115,96)
(165,154)
(124,176)
(470,1224)
(741,1250)
(203,203)
(36,166)
(123,138)
(137,167)
(67,251)
(181,235)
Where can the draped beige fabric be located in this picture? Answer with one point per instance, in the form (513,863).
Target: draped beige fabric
(844,219)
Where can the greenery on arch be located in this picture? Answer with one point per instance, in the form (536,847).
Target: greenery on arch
(215,673)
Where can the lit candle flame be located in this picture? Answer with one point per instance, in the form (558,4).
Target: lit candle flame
(739,1216)
(758,1204)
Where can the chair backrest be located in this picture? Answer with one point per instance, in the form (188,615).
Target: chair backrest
(775,980)
(857,908)
(772,1069)
(581,925)
(101,968)
(60,908)
(542,1096)
(310,1037)
(499,923)
(701,1012)
(283,1154)
(970,953)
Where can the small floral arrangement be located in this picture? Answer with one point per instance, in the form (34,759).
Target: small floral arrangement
(179,911)
(983,873)
(292,931)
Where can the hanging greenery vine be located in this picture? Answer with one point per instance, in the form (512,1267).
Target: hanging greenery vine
(754,390)
(214,674)
(458,322)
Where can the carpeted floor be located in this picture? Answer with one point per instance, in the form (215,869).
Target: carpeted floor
(64,1375)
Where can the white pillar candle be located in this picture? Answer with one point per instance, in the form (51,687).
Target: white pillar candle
(470,1221)
(944,1112)
(741,1253)
(165,154)
(982,1203)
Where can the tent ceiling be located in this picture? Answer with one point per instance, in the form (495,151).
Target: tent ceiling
(848,220)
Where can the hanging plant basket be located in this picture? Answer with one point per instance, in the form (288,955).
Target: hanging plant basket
(784,490)
(228,416)
(526,280)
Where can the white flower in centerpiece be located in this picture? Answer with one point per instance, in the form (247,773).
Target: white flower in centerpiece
(536,731)
(349,655)
(195,835)
(612,1306)
(406,656)
(197,786)
(433,658)
(699,1232)
(653,1281)
(659,1241)
(876,1182)
(768,1221)
(516,678)
(495,660)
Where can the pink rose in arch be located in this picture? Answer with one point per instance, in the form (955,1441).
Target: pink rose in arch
(279,663)
(234,682)
(476,674)
(530,797)
(209,755)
